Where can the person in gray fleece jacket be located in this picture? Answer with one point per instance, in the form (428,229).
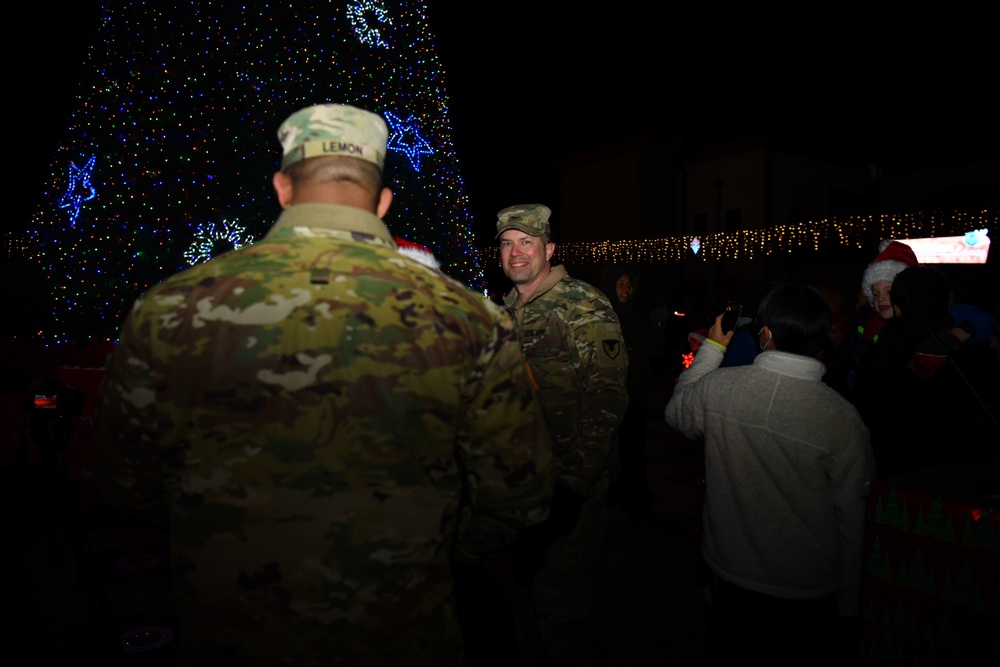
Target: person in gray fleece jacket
(788,462)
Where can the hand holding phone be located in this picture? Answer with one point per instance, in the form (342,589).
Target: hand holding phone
(730,316)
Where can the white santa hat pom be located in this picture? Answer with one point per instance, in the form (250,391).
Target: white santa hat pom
(417,252)
(893,257)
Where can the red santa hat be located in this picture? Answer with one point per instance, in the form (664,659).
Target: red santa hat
(418,252)
(893,257)
(697,337)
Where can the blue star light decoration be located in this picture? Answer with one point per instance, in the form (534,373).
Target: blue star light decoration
(208,239)
(364,15)
(695,245)
(404,136)
(79,189)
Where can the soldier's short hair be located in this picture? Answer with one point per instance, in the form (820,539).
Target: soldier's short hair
(336,169)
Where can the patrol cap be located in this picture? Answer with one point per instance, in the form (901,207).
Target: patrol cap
(333,130)
(532,219)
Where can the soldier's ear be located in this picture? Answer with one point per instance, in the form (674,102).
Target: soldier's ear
(384,200)
(283,188)
(549,249)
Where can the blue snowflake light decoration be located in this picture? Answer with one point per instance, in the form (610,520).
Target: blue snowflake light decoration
(695,245)
(404,136)
(210,240)
(364,15)
(976,236)
(79,189)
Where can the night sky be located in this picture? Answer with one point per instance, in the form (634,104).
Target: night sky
(528,87)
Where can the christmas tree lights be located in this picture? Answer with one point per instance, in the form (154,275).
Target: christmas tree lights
(176,114)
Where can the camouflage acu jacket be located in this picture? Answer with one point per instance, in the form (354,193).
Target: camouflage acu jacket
(308,410)
(572,341)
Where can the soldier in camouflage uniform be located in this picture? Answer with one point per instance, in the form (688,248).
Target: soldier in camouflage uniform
(572,342)
(308,413)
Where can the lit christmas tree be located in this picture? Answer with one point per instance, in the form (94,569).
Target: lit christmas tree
(171,142)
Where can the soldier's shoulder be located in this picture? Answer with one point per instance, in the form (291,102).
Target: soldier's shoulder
(466,298)
(456,301)
(583,296)
(176,284)
(577,287)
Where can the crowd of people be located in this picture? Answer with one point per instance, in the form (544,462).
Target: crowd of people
(800,408)
(361,461)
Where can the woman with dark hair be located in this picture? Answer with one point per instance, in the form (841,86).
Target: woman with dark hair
(619,283)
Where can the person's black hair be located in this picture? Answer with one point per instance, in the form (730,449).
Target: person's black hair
(798,317)
(921,291)
(609,279)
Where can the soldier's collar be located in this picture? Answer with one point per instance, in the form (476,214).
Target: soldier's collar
(334,217)
(556,273)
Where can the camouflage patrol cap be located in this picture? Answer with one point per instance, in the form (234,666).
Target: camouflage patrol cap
(532,219)
(333,130)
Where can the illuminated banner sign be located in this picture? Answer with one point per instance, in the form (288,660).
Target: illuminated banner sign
(969,249)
